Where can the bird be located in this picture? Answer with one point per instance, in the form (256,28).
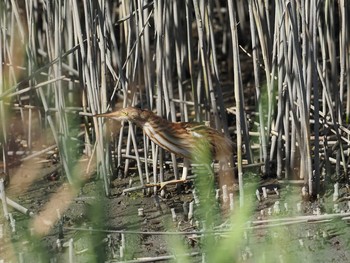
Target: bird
(185,139)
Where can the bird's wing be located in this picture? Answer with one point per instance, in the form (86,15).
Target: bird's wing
(170,136)
(195,129)
(219,144)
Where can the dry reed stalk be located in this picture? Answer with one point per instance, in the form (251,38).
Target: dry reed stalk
(261,127)
(238,98)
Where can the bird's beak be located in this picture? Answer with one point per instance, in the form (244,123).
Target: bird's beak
(106,115)
(116,115)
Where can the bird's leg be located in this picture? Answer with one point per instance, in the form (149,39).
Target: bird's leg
(185,169)
(175,181)
(183,177)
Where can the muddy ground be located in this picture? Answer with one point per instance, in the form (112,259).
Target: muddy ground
(71,225)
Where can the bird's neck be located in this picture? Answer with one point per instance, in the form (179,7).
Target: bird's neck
(142,118)
(139,123)
(148,118)
(150,122)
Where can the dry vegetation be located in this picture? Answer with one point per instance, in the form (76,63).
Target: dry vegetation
(274,76)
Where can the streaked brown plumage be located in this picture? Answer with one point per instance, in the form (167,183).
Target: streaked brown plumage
(180,138)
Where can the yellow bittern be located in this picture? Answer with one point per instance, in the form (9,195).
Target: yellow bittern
(180,138)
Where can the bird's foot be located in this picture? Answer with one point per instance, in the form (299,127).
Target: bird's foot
(164,184)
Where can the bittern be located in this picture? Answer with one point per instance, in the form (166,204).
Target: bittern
(185,139)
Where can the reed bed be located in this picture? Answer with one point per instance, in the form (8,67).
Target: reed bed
(273,77)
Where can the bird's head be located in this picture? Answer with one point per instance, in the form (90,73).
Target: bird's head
(135,115)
